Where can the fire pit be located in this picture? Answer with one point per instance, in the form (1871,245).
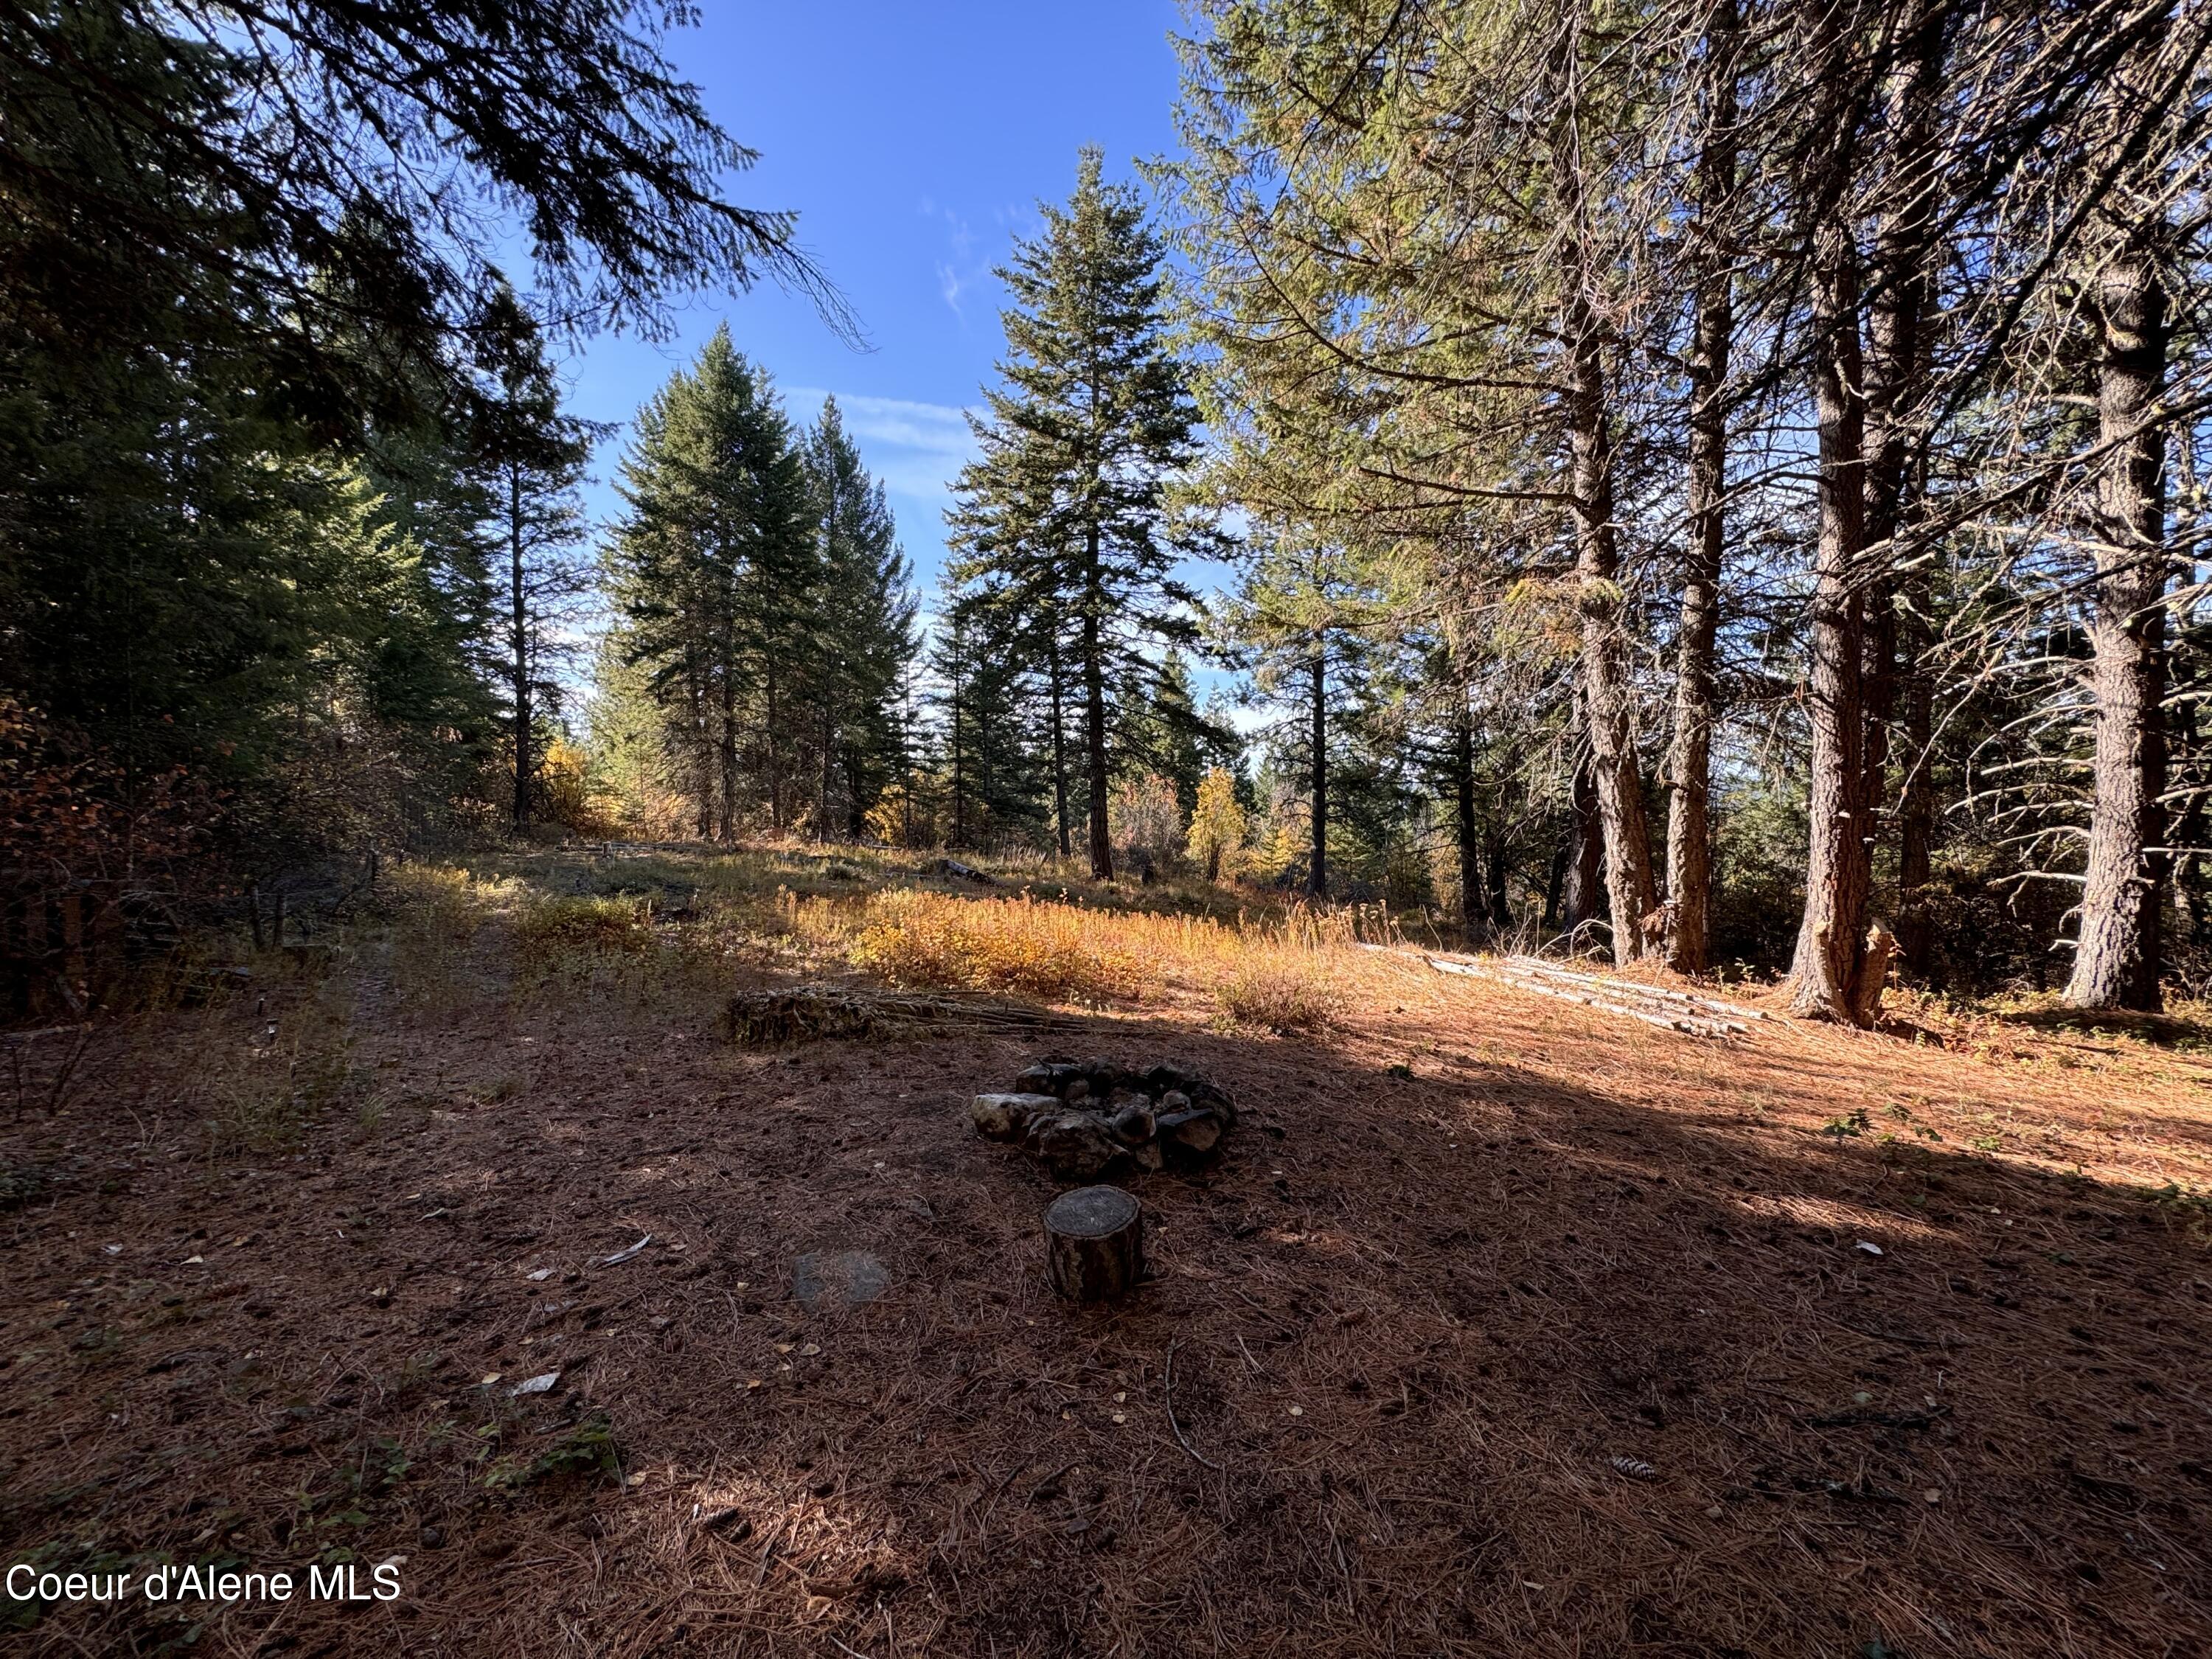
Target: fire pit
(1091,1119)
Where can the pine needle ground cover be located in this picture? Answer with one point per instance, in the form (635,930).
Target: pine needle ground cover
(1503,1326)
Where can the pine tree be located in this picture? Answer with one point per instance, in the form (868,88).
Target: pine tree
(1296,624)
(1067,505)
(534,457)
(866,625)
(717,577)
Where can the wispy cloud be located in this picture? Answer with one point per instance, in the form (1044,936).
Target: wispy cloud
(916,448)
(950,286)
(958,274)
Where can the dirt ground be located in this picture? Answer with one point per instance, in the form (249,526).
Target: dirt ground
(1503,1326)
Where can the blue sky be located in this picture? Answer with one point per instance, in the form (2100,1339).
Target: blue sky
(915,141)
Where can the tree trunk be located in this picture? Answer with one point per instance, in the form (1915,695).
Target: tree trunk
(1897,367)
(519,644)
(2116,963)
(702,750)
(1317,866)
(729,822)
(1094,1243)
(1916,840)
(1059,747)
(1501,907)
(1583,897)
(1096,722)
(1689,817)
(771,754)
(829,758)
(1830,946)
(1470,848)
(1631,890)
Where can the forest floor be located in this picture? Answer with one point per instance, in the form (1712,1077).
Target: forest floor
(1503,1326)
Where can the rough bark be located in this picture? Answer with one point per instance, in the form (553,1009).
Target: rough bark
(1094,1243)
(1689,829)
(1470,850)
(1824,972)
(2116,962)
(1094,718)
(1630,888)
(1058,744)
(1899,364)
(519,648)
(1581,898)
(1317,866)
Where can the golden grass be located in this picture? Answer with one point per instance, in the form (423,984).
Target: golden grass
(1279,989)
(1056,952)
(617,925)
(1281,973)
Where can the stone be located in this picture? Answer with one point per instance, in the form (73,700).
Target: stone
(838,1278)
(1162,1079)
(1007,1117)
(1133,1121)
(1215,1099)
(1077,1089)
(1175,1101)
(1194,1134)
(1145,1157)
(1075,1146)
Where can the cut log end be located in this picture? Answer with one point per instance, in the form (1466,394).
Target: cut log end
(1094,1243)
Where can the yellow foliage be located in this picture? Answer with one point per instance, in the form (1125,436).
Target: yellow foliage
(564,789)
(897,820)
(1217,826)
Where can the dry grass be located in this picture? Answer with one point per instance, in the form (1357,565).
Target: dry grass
(548,928)
(1050,951)
(1281,991)
(1280,973)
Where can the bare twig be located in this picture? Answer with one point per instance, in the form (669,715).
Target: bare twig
(1166,1394)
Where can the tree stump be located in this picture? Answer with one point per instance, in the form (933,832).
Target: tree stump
(1094,1243)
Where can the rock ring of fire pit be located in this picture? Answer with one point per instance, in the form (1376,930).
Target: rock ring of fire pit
(1092,1120)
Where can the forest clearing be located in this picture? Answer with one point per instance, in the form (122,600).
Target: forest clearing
(1503,1324)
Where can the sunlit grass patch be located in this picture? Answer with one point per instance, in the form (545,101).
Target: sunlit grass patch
(1058,953)
(550,927)
(1282,989)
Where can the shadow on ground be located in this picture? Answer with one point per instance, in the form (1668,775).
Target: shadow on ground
(1469,1363)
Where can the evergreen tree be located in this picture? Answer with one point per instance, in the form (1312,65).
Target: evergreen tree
(1296,625)
(993,774)
(533,459)
(715,574)
(1067,505)
(867,628)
